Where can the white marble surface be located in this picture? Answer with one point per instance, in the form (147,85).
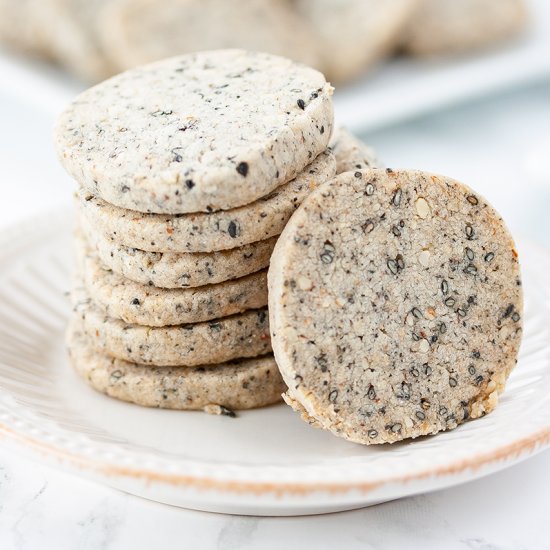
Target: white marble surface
(501,147)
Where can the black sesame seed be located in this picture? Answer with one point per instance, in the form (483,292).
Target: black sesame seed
(489,257)
(444,286)
(358,174)
(189,184)
(242,168)
(227,412)
(509,310)
(125,189)
(136,302)
(371,393)
(453,382)
(232,229)
(301,103)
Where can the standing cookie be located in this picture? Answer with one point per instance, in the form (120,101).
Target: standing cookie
(200,132)
(450,26)
(395,305)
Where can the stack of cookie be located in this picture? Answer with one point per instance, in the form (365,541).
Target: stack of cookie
(188,170)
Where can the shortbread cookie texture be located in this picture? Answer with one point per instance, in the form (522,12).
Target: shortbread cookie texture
(446,26)
(206,232)
(235,385)
(396,305)
(238,336)
(351,153)
(200,132)
(185,270)
(136,303)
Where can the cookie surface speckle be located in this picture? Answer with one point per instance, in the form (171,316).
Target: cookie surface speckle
(196,133)
(235,385)
(175,270)
(396,305)
(206,232)
(238,336)
(136,303)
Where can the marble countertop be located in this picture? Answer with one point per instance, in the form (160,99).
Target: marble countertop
(499,146)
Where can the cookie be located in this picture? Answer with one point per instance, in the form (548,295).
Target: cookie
(22,28)
(238,336)
(239,384)
(173,270)
(396,305)
(351,153)
(140,304)
(137,31)
(354,34)
(196,133)
(73,26)
(448,27)
(205,232)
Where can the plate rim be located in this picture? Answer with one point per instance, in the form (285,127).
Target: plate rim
(506,454)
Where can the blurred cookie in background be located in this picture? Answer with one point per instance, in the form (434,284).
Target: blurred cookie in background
(134,32)
(353,34)
(451,26)
(74,40)
(22,29)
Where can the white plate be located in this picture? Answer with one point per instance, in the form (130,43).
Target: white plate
(265,462)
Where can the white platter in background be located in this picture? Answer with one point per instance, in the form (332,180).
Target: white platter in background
(265,462)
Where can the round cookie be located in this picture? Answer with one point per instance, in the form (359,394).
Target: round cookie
(239,384)
(351,153)
(354,34)
(196,133)
(22,27)
(238,336)
(135,32)
(173,270)
(206,232)
(140,304)
(442,27)
(73,31)
(396,303)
